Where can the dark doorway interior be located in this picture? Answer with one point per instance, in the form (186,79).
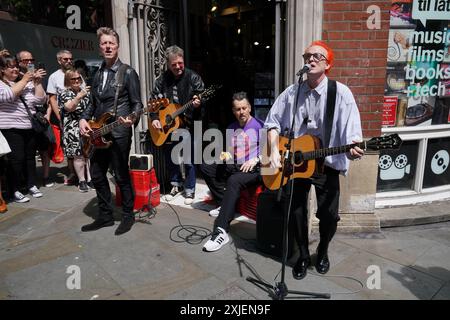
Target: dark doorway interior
(233,45)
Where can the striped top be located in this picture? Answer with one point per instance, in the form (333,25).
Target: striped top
(13,114)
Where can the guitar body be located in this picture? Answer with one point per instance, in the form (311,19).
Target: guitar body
(299,169)
(168,124)
(89,144)
(308,158)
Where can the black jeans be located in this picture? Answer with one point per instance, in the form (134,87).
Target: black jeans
(21,160)
(327,193)
(116,156)
(226,182)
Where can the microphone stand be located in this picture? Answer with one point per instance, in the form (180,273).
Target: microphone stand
(280,289)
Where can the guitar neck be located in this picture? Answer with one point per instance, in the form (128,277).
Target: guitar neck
(322,153)
(182,109)
(111,126)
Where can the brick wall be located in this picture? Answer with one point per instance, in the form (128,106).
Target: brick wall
(360,55)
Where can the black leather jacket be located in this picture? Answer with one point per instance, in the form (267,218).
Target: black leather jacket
(103,99)
(188,85)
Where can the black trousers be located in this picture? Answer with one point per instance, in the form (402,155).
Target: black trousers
(22,159)
(327,193)
(115,156)
(226,182)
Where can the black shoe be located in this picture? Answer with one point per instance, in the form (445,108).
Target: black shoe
(83,186)
(97,224)
(301,267)
(91,185)
(124,226)
(322,263)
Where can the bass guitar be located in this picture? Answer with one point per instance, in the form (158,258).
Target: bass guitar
(306,149)
(102,126)
(169,116)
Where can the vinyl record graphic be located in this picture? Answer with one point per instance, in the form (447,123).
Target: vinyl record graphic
(440,161)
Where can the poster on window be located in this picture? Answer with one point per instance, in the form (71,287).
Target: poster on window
(436,170)
(396,168)
(389,111)
(418,60)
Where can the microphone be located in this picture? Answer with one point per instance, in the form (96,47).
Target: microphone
(305,68)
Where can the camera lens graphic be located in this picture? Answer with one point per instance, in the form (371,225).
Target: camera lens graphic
(385,162)
(401,161)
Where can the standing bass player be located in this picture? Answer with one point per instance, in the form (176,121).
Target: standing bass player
(127,101)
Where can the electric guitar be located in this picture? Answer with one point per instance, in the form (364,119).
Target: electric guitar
(306,149)
(100,127)
(169,117)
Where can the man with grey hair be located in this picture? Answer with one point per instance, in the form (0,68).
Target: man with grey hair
(180,85)
(56,80)
(55,87)
(25,60)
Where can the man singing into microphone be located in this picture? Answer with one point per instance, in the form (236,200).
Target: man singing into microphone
(311,118)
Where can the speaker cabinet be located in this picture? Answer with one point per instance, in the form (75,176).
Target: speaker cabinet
(141,162)
(269,225)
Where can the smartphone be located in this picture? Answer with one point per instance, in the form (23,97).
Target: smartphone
(30,67)
(41,65)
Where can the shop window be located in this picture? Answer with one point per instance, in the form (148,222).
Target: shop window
(397,168)
(436,171)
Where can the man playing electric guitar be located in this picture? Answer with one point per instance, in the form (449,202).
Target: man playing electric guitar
(180,85)
(311,117)
(113,74)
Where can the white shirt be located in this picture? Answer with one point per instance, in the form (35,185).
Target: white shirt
(311,106)
(56,82)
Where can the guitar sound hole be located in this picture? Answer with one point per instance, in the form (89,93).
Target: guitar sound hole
(298,158)
(169,120)
(288,170)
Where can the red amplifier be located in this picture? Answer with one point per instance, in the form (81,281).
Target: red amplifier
(146,190)
(248,201)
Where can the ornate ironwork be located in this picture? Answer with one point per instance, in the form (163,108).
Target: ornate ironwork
(156,42)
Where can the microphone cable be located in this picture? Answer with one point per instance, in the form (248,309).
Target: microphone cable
(191,234)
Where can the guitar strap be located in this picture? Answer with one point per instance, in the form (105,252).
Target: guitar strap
(331,102)
(119,84)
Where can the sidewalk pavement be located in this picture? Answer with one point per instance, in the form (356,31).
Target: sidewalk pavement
(41,245)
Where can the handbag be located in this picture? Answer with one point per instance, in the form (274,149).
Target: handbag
(38,122)
(58,152)
(4,146)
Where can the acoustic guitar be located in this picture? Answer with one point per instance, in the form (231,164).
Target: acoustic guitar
(102,126)
(306,149)
(169,116)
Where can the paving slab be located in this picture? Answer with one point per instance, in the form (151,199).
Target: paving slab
(49,281)
(397,281)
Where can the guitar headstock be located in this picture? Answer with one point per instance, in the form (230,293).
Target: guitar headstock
(390,141)
(156,104)
(209,92)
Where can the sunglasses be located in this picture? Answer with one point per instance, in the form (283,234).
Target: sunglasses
(13,66)
(67,59)
(75,79)
(316,57)
(27,60)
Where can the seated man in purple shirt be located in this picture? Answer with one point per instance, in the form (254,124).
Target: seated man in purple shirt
(227,180)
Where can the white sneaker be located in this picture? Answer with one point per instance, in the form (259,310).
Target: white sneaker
(35,192)
(214,212)
(20,198)
(174,192)
(218,239)
(189,198)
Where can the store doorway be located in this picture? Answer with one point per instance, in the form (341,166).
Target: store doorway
(232,43)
